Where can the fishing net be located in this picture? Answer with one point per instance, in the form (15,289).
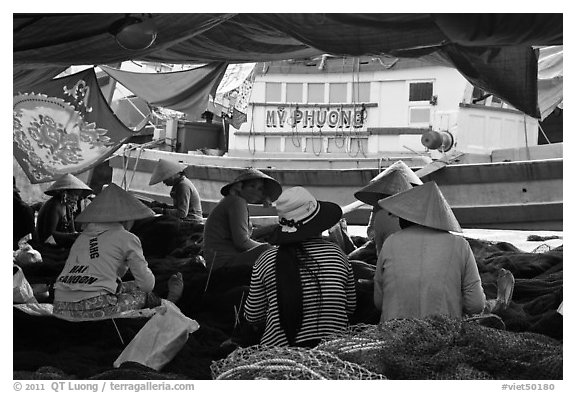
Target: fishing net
(287,363)
(440,347)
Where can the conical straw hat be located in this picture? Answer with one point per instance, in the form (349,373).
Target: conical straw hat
(114,204)
(398,177)
(424,205)
(165,169)
(68,182)
(272,188)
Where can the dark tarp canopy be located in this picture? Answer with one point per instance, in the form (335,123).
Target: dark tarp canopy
(493,51)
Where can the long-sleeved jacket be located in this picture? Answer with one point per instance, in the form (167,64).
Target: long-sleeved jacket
(423,271)
(98,259)
(227,231)
(186,201)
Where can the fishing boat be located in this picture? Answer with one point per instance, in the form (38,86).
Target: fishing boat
(414,91)
(334,124)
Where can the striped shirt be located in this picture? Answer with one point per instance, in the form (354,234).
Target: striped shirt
(321,316)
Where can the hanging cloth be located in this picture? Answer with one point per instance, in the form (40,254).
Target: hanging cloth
(183,91)
(64,126)
(550,79)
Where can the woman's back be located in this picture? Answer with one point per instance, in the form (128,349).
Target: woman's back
(328,293)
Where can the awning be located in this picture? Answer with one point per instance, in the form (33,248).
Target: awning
(476,44)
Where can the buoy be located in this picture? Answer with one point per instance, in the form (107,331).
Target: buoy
(437,140)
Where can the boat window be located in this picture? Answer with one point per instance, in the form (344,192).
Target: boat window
(337,145)
(294,92)
(338,93)
(272,144)
(292,144)
(314,145)
(316,92)
(361,92)
(419,115)
(421,91)
(358,146)
(273,92)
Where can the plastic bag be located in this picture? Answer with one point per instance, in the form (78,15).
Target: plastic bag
(21,289)
(26,255)
(160,339)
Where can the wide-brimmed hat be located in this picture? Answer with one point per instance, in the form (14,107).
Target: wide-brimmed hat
(68,182)
(424,205)
(114,204)
(301,216)
(165,169)
(272,188)
(398,177)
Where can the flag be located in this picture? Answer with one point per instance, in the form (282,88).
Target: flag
(237,118)
(64,126)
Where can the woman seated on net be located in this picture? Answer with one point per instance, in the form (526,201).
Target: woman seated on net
(423,269)
(303,290)
(56,216)
(90,285)
(228,231)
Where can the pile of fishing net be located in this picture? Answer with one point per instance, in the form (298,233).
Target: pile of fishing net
(436,347)
(439,347)
(287,363)
(538,288)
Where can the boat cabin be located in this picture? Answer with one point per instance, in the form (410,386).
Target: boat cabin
(371,106)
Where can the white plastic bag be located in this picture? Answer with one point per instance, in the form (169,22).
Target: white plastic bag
(26,255)
(21,289)
(160,339)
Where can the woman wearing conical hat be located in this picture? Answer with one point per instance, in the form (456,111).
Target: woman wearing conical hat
(396,178)
(228,231)
(90,286)
(56,216)
(424,269)
(185,198)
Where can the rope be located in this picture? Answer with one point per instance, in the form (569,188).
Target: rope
(250,134)
(321,142)
(341,126)
(210,272)
(543,133)
(294,128)
(135,166)
(356,88)
(125,161)
(117,331)
(526,139)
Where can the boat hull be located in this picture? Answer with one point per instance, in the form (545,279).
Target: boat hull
(523,195)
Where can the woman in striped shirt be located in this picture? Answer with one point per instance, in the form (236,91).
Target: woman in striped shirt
(304,289)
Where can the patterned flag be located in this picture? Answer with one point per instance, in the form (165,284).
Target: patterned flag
(64,126)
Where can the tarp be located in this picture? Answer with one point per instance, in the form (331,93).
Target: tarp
(64,126)
(185,91)
(56,40)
